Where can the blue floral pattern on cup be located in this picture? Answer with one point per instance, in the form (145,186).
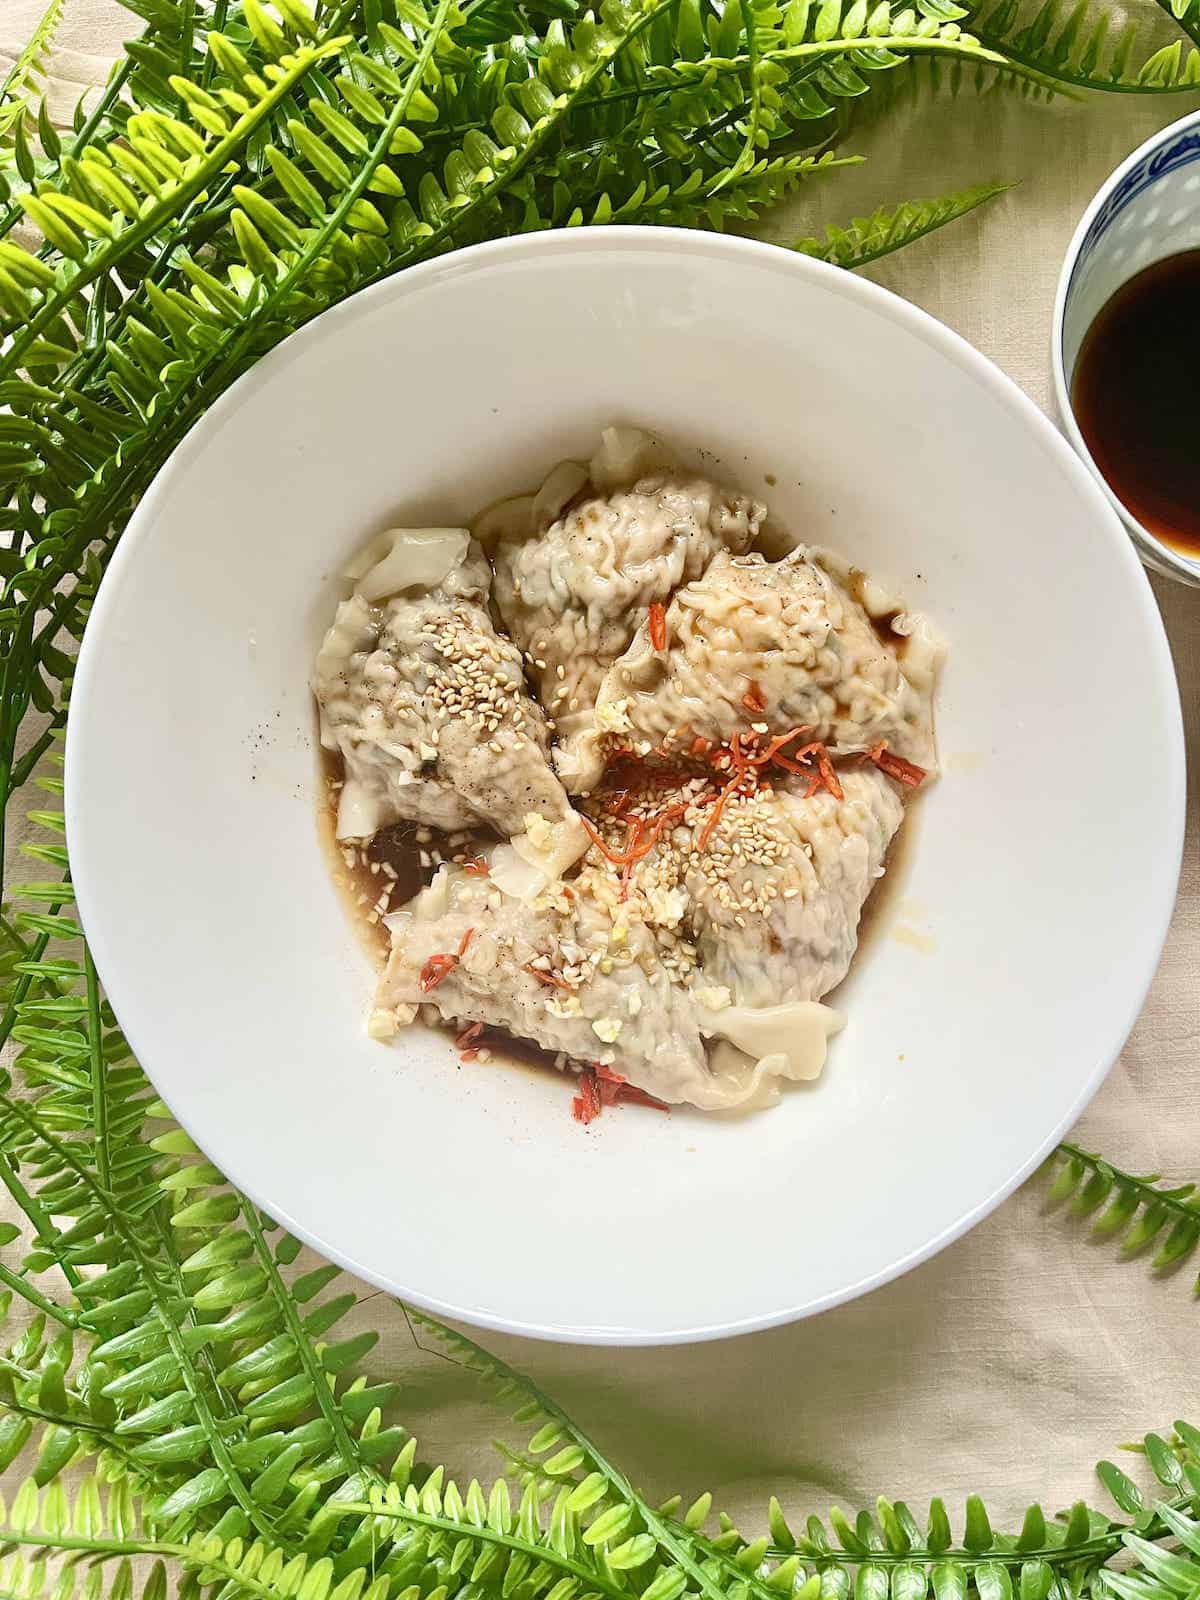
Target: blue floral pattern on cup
(1181,152)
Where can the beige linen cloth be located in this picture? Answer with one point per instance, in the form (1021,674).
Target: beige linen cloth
(1020,1355)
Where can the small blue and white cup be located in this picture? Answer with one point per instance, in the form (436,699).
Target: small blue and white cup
(1148,209)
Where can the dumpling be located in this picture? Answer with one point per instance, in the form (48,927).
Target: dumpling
(547,971)
(779,890)
(759,897)
(780,645)
(427,702)
(694,971)
(574,595)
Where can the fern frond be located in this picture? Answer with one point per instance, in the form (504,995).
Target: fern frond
(1185,14)
(1157,1574)
(1077,43)
(892,227)
(599,1486)
(1136,1212)
(26,75)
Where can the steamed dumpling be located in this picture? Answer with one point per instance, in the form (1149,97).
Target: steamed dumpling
(779,644)
(574,595)
(590,1002)
(779,891)
(697,977)
(427,702)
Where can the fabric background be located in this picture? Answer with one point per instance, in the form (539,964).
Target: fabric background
(1020,1355)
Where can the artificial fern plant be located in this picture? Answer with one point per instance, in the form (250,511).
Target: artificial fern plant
(184,1403)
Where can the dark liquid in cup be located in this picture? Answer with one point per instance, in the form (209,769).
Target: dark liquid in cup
(1136,396)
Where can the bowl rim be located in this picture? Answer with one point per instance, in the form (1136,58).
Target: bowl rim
(1152,550)
(621,242)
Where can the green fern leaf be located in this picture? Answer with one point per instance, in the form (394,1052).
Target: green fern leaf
(1140,1211)
(890,228)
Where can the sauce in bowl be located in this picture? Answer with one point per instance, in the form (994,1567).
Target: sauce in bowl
(1136,397)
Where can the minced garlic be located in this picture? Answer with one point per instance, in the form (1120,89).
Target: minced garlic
(612,717)
(538,830)
(381,1024)
(715,996)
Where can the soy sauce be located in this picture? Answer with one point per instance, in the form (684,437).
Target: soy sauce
(1136,396)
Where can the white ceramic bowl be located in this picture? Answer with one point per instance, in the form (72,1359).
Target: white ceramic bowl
(1040,881)
(1147,210)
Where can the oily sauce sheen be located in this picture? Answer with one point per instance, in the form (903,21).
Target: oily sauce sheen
(1136,396)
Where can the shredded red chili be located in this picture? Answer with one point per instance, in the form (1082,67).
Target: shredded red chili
(442,965)
(658,626)
(550,979)
(753,699)
(896,766)
(634,1096)
(466,1041)
(435,969)
(600,1086)
(586,1105)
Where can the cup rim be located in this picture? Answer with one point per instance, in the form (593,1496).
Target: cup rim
(1155,553)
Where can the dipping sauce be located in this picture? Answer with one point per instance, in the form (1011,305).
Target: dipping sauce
(1136,397)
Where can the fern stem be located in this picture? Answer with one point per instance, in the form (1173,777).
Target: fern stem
(908,43)
(21,989)
(220,13)
(10,217)
(204,1355)
(748,1581)
(657,1526)
(23,768)
(116,1548)
(1175,1200)
(1186,17)
(1092,1552)
(39,42)
(754,117)
(1099,1548)
(315,1373)
(99,1095)
(1025,63)
(22,1286)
